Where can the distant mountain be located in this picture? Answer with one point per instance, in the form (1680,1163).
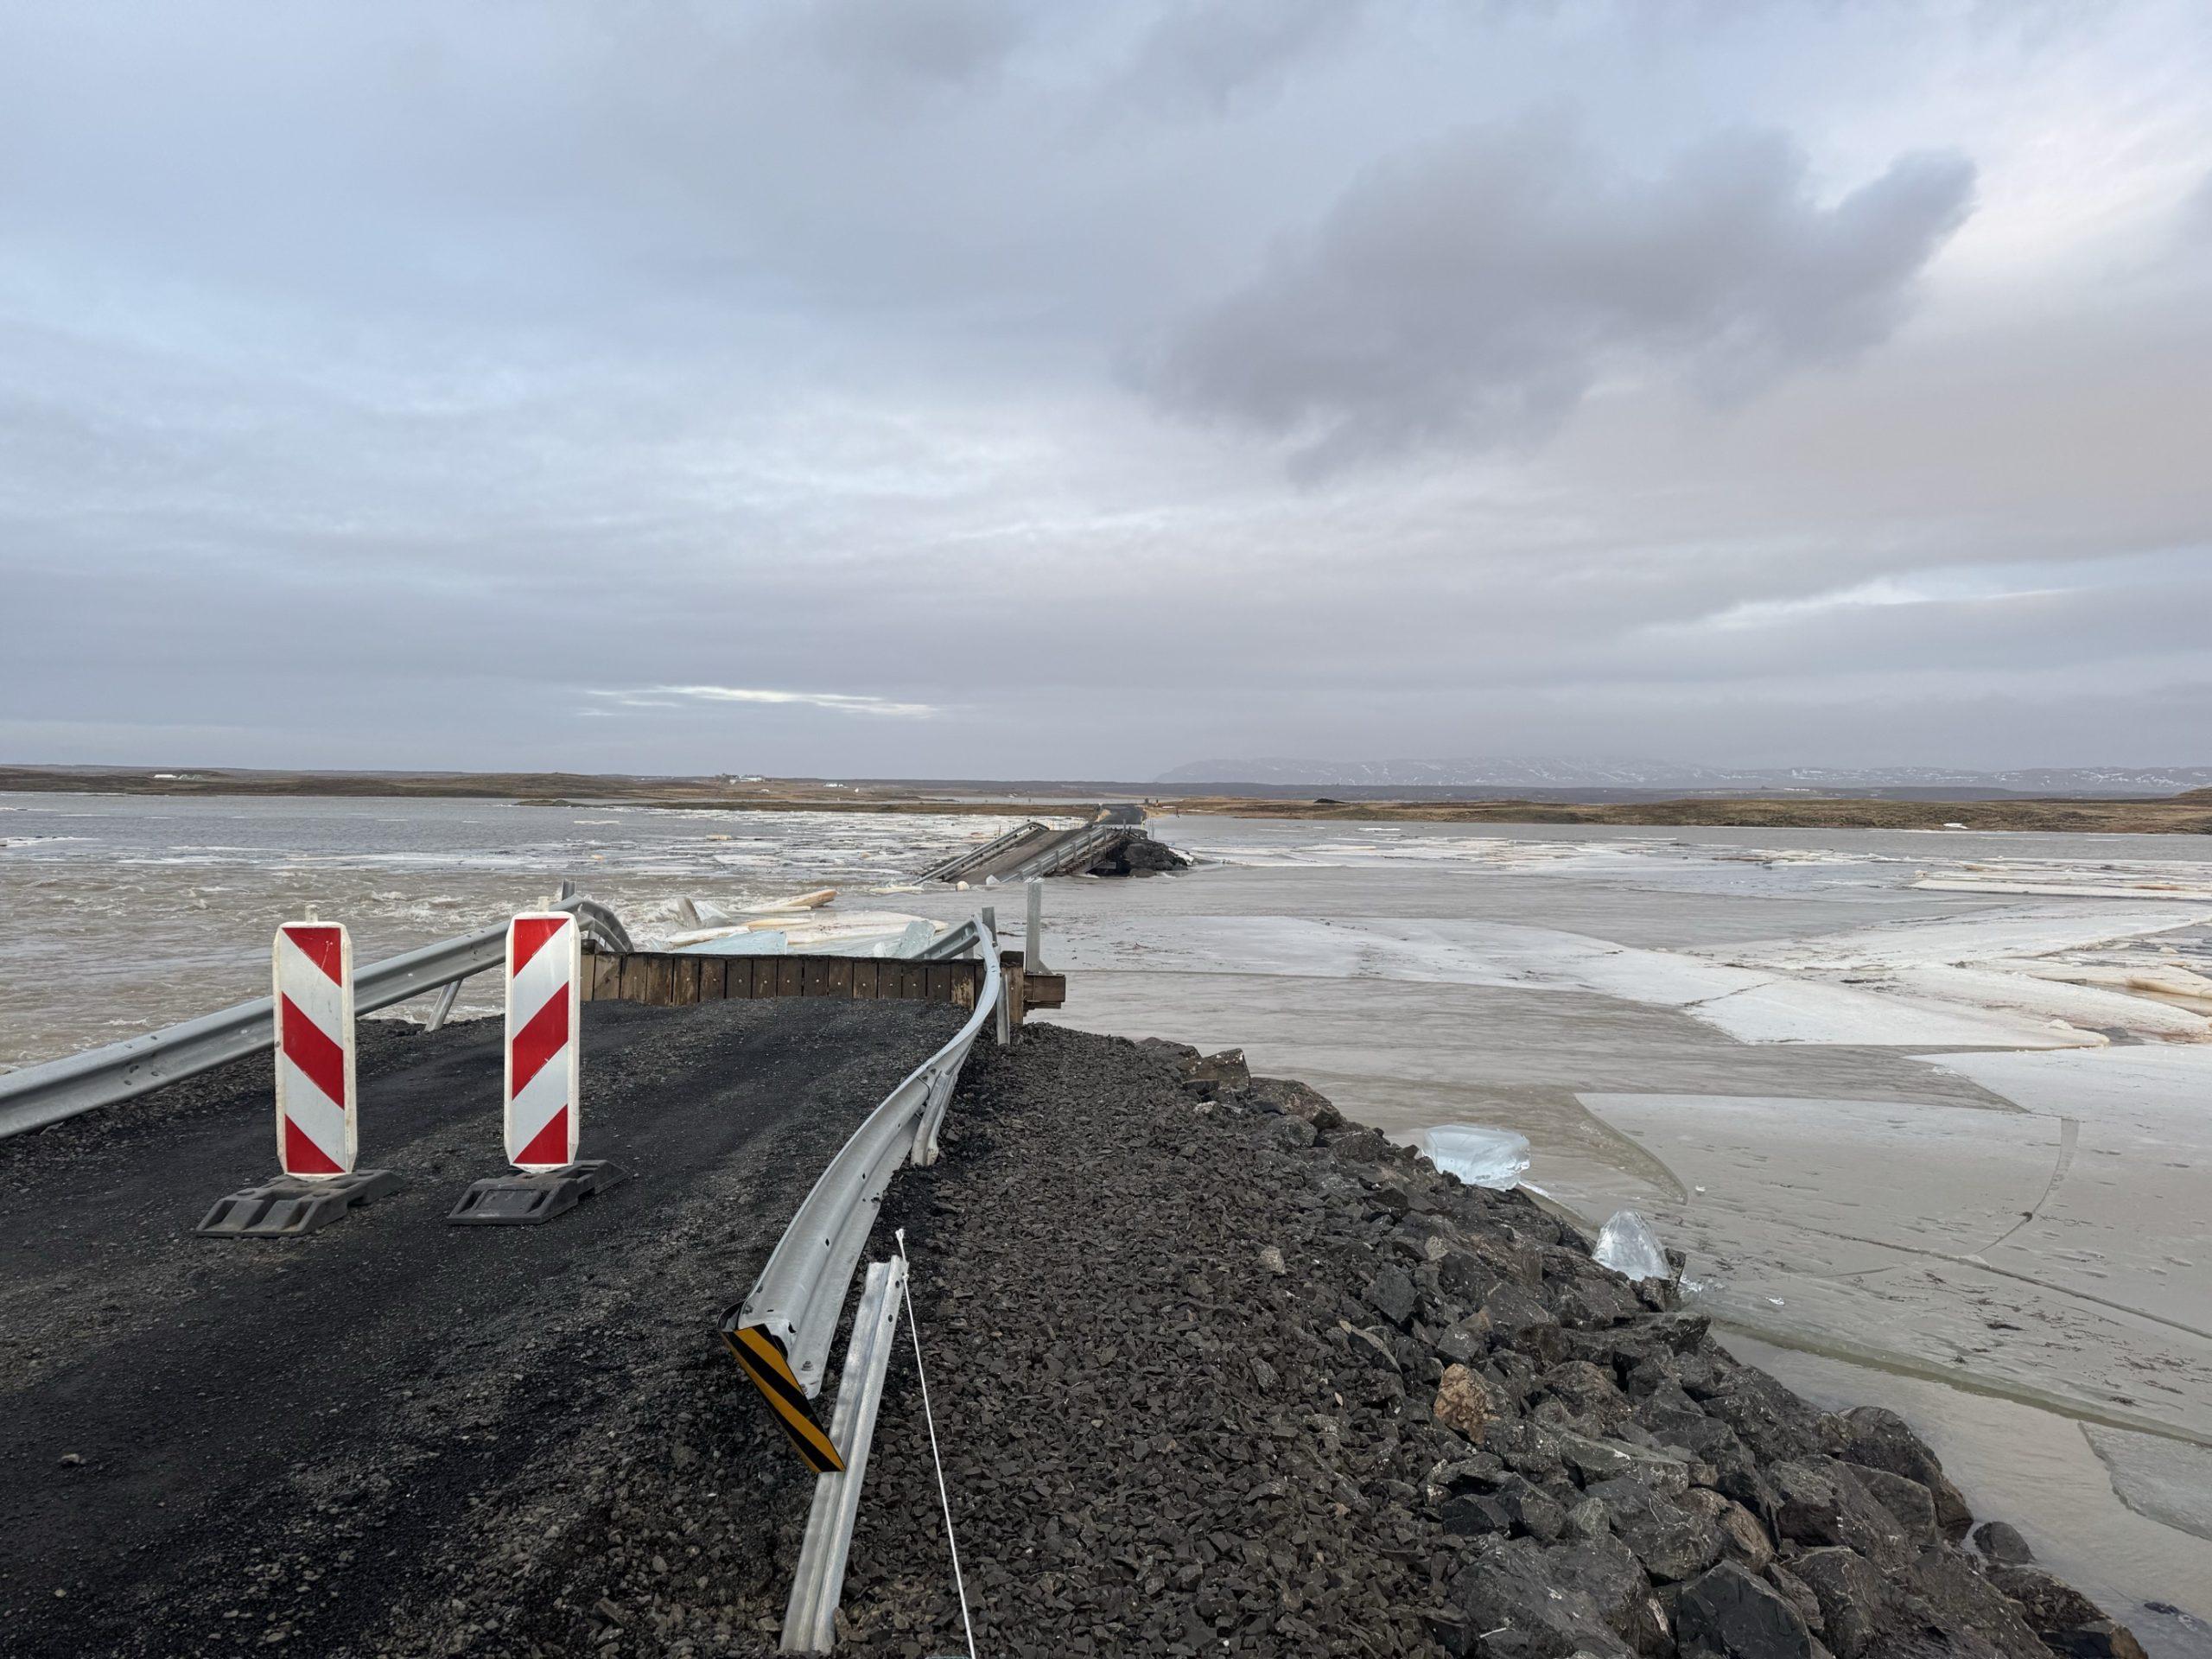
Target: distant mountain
(1553,772)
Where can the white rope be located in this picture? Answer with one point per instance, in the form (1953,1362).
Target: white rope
(913,1330)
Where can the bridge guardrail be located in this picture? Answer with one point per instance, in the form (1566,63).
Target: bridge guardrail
(1073,852)
(38,1095)
(780,1334)
(961,862)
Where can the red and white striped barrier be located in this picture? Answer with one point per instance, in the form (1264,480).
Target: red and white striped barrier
(313,971)
(545,1072)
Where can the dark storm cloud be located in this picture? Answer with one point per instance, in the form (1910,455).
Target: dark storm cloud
(1472,292)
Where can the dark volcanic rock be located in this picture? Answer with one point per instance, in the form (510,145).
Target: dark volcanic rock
(1910,1503)
(1819,1501)
(1604,1569)
(1768,1418)
(2000,1541)
(1728,1614)
(1293,1099)
(1210,1074)
(2067,1621)
(1140,855)
(1882,1439)
(1515,1608)
(1945,1591)
(1743,1538)
(1390,1293)
(1856,1601)
(1673,1541)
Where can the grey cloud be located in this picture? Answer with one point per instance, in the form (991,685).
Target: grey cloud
(1473,292)
(1210,52)
(2196,215)
(941,42)
(375,383)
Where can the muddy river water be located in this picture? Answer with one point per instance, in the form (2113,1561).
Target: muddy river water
(1930,1113)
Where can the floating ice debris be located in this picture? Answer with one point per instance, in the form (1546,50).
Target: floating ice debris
(1480,1157)
(813,901)
(1627,1245)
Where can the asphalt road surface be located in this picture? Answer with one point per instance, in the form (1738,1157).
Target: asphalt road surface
(328,1445)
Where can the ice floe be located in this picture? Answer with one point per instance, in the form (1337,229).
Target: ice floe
(1753,1004)
(1628,1246)
(1479,1156)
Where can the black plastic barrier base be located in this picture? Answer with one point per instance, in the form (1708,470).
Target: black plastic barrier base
(526,1200)
(290,1205)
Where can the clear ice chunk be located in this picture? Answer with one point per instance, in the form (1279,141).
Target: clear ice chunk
(1628,1246)
(1480,1157)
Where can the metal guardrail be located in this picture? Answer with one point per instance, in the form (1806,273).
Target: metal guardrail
(960,863)
(954,942)
(795,1301)
(811,1615)
(1077,851)
(39,1095)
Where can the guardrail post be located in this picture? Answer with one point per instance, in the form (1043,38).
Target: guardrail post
(1033,932)
(447,998)
(810,1617)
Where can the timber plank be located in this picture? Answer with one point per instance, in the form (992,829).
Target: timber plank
(606,977)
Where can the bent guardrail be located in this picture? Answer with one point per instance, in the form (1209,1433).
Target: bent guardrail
(960,863)
(780,1334)
(39,1095)
(1076,851)
(811,1615)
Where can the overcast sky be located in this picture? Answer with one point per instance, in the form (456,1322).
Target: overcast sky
(980,388)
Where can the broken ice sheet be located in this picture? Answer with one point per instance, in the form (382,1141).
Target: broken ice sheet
(1478,1156)
(1627,1245)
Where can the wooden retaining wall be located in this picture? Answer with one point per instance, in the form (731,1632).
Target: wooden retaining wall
(670,979)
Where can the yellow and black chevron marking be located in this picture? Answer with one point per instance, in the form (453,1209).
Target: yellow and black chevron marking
(762,1357)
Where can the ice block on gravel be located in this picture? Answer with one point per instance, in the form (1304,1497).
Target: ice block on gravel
(1627,1245)
(1478,1156)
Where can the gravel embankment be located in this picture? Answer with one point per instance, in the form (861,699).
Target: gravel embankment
(1231,1376)
(1212,1375)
